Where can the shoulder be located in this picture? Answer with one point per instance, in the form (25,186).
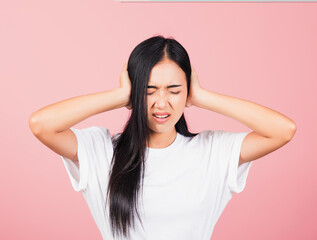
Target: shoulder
(94,134)
(216,136)
(202,139)
(205,135)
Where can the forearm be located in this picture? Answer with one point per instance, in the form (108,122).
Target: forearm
(65,114)
(264,121)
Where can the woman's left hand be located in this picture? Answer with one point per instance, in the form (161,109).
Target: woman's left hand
(194,90)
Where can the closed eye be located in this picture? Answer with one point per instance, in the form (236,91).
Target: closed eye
(171,93)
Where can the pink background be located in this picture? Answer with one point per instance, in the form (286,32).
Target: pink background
(54,50)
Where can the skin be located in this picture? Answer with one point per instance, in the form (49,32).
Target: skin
(161,99)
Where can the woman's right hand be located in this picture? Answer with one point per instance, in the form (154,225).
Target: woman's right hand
(125,84)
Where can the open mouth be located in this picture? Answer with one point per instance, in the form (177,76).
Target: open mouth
(161,118)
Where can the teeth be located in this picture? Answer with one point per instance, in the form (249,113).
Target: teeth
(165,116)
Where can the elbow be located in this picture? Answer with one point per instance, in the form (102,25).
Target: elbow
(34,123)
(291,132)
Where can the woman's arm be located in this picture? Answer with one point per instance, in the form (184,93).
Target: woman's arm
(271,129)
(263,120)
(60,116)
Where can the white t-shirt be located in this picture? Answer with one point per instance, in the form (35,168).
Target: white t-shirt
(186,185)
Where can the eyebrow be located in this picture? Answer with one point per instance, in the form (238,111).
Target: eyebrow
(170,86)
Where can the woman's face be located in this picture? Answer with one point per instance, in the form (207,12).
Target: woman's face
(166,94)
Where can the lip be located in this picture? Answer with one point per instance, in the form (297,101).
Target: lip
(161,120)
(161,114)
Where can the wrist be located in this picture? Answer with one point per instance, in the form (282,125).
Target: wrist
(123,96)
(198,100)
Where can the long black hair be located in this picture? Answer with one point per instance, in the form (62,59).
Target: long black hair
(127,166)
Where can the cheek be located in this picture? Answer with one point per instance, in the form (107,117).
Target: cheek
(149,104)
(182,99)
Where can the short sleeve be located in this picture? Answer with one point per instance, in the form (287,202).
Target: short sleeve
(228,148)
(90,146)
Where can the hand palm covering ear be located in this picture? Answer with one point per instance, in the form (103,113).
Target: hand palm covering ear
(125,83)
(194,89)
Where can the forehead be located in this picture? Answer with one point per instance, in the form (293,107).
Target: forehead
(166,73)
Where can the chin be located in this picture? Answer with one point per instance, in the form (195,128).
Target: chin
(162,129)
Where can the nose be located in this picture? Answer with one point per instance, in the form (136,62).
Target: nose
(162,99)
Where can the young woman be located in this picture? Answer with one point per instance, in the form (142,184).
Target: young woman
(175,182)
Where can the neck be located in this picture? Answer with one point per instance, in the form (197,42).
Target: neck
(162,140)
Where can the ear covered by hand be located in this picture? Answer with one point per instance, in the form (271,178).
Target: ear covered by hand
(125,84)
(194,89)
